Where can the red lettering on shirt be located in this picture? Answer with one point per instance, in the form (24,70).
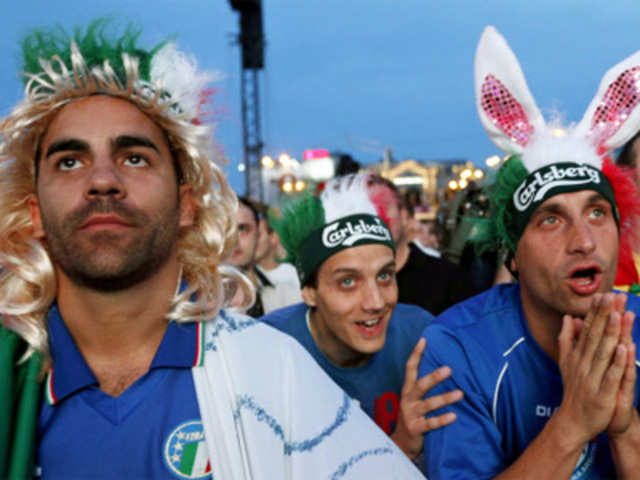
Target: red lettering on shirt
(386,409)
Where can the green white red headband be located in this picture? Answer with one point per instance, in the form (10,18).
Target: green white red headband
(314,228)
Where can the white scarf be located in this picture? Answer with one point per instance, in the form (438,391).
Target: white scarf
(269,412)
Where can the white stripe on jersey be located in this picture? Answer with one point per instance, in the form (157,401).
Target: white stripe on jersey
(495,393)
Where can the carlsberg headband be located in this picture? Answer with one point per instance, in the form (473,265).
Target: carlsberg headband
(312,229)
(556,179)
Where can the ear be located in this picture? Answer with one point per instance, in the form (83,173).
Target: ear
(404,216)
(505,105)
(309,296)
(613,116)
(187,206)
(36,218)
(513,267)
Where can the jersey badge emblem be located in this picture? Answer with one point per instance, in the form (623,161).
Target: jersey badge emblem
(185,452)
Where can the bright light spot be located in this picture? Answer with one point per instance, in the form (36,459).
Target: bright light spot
(300,185)
(463,183)
(477,173)
(267,162)
(492,161)
(408,181)
(287,187)
(241,167)
(318,169)
(558,132)
(453,185)
(284,160)
(466,173)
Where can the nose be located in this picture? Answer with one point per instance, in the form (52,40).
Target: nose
(373,299)
(582,237)
(104,180)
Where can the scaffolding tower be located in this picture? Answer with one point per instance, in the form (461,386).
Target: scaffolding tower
(251,40)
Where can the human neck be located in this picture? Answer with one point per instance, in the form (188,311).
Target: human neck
(250,272)
(331,346)
(121,325)
(268,263)
(402,253)
(544,325)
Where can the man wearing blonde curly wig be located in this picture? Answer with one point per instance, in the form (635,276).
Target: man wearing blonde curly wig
(117,356)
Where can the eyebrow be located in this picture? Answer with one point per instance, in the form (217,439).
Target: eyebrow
(119,143)
(67,145)
(597,197)
(556,208)
(343,270)
(126,141)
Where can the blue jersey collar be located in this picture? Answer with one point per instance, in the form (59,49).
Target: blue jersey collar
(181,347)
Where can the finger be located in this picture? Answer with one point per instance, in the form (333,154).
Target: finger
(589,318)
(431,404)
(411,368)
(626,328)
(578,326)
(612,378)
(607,348)
(620,302)
(628,382)
(427,382)
(595,331)
(424,425)
(566,339)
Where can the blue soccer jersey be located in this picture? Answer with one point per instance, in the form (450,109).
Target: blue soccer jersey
(511,388)
(376,385)
(152,430)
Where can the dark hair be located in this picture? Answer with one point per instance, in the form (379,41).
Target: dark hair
(251,206)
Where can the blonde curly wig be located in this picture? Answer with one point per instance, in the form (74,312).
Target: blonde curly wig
(26,271)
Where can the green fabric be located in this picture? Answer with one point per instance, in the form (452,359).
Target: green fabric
(299,218)
(20,395)
(346,232)
(634,288)
(500,192)
(94,43)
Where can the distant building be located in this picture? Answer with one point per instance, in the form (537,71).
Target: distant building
(428,183)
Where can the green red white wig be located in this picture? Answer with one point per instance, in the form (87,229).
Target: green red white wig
(550,159)
(313,228)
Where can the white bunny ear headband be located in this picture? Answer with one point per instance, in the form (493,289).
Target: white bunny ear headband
(544,163)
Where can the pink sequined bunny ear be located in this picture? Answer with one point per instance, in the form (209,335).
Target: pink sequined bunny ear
(613,116)
(505,105)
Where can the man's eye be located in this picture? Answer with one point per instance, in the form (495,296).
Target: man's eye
(68,163)
(551,220)
(597,213)
(136,161)
(384,276)
(347,282)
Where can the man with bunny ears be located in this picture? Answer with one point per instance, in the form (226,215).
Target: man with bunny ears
(547,364)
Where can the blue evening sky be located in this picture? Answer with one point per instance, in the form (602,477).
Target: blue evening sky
(362,75)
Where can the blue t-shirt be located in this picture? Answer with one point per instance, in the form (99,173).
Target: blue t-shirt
(152,430)
(511,389)
(376,385)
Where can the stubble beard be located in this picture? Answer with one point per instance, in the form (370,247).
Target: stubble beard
(108,261)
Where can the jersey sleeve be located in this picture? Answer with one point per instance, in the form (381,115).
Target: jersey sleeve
(469,448)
